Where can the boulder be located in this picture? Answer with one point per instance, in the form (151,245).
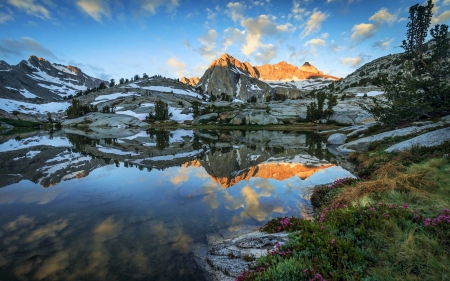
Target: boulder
(97,119)
(254,117)
(337,139)
(228,115)
(205,118)
(223,258)
(433,138)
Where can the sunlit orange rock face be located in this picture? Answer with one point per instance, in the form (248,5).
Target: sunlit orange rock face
(279,71)
(277,171)
(286,71)
(74,69)
(190,81)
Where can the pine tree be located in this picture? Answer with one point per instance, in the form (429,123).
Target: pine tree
(426,92)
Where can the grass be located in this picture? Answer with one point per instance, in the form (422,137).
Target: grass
(391,223)
(19,123)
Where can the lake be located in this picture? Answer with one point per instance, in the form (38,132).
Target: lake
(77,206)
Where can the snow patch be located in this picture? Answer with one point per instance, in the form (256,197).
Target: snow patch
(14,144)
(103,98)
(31,108)
(115,151)
(370,94)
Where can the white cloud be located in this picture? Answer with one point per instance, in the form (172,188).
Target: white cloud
(383,16)
(268,52)
(383,44)
(298,12)
(335,47)
(443,17)
(315,42)
(152,5)
(235,10)
(446,2)
(31,8)
(314,23)
(255,28)
(208,42)
(210,15)
(95,8)
(5,17)
(232,36)
(352,61)
(363,31)
(178,66)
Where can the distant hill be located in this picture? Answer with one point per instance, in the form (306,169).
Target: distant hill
(38,78)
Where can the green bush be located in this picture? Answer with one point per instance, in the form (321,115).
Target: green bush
(77,109)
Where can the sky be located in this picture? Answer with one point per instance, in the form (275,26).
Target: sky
(113,39)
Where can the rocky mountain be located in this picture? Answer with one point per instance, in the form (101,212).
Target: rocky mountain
(38,78)
(190,81)
(233,78)
(286,71)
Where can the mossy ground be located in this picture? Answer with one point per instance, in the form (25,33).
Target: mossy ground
(391,223)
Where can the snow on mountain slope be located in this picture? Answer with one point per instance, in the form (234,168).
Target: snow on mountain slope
(38,78)
(31,108)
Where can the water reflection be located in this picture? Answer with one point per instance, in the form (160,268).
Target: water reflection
(129,207)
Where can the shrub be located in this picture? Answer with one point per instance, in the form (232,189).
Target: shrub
(316,111)
(77,109)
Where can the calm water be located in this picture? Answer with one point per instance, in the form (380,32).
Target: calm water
(76,207)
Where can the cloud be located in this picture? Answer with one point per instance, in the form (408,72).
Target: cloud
(208,42)
(383,44)
(152,5)
(24,47)
(235,10)
(444,17)
(95,8)
(255,28)
(363,31)
(31,8)
(210,14)
(268,52)
(298,12)
(335,47)
(232,36)
(314,23)
(5,17)
(446,2)
(315,42)
(352,61)
(180,71)
(383,16)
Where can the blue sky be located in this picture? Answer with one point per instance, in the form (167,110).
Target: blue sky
(118,38)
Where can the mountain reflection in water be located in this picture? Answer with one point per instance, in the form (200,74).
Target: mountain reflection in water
(129,207)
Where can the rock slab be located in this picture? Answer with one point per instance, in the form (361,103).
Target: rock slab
(96,119)
(337,139)
(433,138)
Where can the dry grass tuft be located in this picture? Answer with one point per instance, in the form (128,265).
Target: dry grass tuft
(387,177)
